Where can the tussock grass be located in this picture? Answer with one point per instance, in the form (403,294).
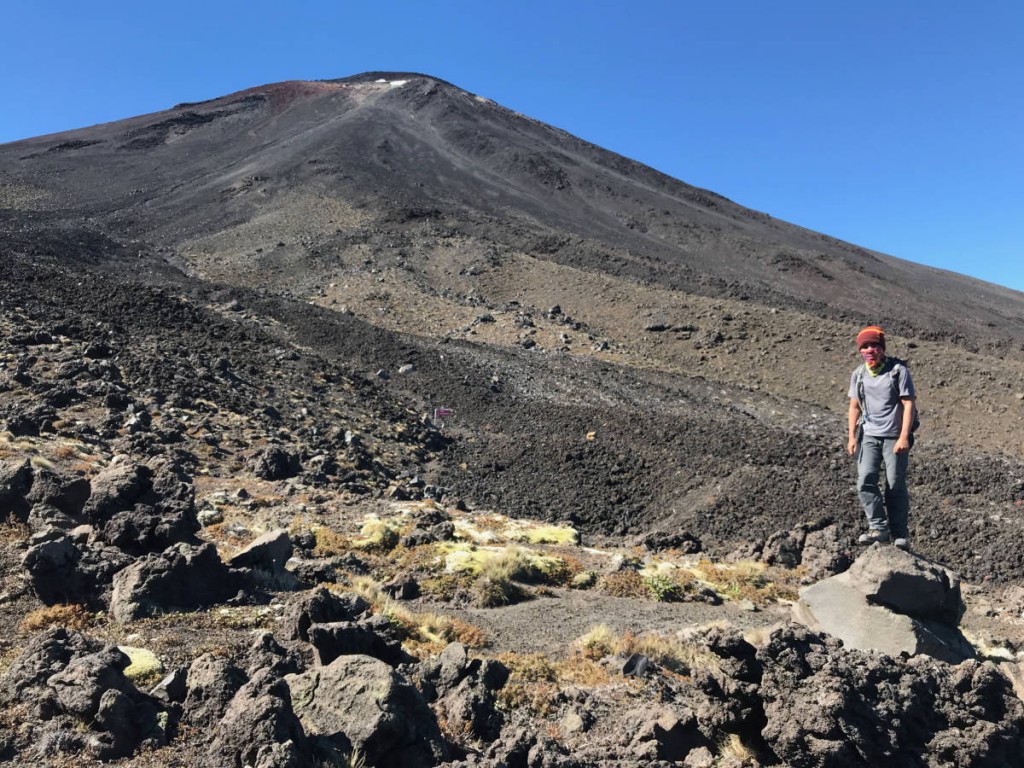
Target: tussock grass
(41,462)
(532,683)
(732,750)
(552,534)
(757,582)
(674,652)
(424,633)
(71,616)
(329,542)
(534,679)
(498,574)
(14,530)
(626,583)
(584,580)
(378,535)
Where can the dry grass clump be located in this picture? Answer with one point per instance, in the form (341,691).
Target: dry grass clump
(378,535)
(626,583)
(14,530)
(41,462)
(447,586)
(559,535)
(675,653)
(494,592)
(498,575)
(732,750)
(759,583)
(71,616)
(329,542)
(598,642)
(66,451)
(532,683)
(535,680)
(424,633)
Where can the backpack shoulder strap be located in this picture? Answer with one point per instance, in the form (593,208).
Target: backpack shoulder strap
(860,392)
(897,366)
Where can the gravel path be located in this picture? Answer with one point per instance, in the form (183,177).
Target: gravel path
(549,625)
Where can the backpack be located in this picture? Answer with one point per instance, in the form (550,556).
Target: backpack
(894,379)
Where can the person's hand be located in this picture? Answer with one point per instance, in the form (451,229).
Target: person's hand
(902,445)
(851,446)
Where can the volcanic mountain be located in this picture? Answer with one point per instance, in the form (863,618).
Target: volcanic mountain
(615,347)
(510,450)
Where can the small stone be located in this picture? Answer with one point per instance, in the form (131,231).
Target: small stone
(573,723)
(208,517)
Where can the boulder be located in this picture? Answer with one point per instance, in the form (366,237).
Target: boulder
(463,691)
(62,569)
(374,636)
(266,653)
(82,683)
(666,733)
(260,729)
(52,567)
(275,463)
(67,494)
(67,674)
(140,510)
(908,584)
(211,683)
(117,488)
(182,578)
(824,554)
(360,703)
(862,606)
(15,484)
(144,528)
(268,553)
(46,655)
(321,606)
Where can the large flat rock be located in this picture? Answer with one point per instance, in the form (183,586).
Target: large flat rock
(838,607)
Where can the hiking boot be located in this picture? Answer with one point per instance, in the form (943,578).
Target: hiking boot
(874,537)
(902,542)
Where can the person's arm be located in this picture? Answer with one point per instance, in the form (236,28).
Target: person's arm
(903,442)
(853,418)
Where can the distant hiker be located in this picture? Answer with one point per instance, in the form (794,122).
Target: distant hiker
(881,420)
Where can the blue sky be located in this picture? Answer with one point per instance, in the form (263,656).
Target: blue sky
(894,125)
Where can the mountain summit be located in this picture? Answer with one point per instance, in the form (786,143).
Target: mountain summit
(284,177)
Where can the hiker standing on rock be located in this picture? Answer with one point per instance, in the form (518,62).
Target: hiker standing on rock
(881,420)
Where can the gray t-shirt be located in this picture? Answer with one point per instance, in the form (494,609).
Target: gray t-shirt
(883,415)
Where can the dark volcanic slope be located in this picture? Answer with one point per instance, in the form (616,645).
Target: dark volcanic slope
(322,167)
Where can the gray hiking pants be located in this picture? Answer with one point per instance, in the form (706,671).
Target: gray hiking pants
(871,454)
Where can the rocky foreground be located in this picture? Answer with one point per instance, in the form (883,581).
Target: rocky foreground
(212,559)
(154,648)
